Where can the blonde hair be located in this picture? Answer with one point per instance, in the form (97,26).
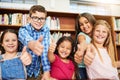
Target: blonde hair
(108,42)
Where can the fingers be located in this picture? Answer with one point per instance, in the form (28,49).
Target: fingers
(24,49)
(39,49)
(78,58)
(52,46)
(88,60)
(90,55)
(25,57)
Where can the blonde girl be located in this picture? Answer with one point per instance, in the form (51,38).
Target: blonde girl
(103,65)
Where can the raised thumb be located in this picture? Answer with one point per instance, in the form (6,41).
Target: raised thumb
(40,39)
(24,49)
(88,49)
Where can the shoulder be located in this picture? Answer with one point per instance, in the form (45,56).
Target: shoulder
(82,34)
(25,27)
(45,28)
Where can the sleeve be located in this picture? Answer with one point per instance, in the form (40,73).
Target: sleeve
(44,60)
(23,36)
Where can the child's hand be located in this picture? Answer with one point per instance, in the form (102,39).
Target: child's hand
(52,46)
(90,55)
(46,76)
(25,57)
(79,54)
(51,50)
(36,46)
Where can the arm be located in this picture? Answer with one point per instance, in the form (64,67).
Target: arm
(78,56)
(44,57)
(81,48)
(73,77)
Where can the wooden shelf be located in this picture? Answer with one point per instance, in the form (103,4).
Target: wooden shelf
(9,10)
(67,20)
(63,30)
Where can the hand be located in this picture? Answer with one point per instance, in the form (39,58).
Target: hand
(52,46)
(118,64)
(25,57)
(51,50)
(90,55)
(46,76)
(79,54)
(36,46)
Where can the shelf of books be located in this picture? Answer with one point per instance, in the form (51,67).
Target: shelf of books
(116,21)
(60,23)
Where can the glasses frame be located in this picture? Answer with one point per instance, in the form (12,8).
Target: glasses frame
(37,19)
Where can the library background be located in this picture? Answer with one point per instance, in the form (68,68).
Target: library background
(61,18)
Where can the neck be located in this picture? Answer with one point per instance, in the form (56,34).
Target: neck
(9,55)
(99,45)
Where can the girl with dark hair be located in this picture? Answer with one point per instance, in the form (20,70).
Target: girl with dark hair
(61,57)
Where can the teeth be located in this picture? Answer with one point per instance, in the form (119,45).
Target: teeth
(63,53)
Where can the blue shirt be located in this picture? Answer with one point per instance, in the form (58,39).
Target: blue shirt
(28,33)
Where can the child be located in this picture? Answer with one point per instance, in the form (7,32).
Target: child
(30,36)
(84,28)
(11,61)
(103,65)
(61,58)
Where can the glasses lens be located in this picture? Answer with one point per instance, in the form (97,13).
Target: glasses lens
(38,19)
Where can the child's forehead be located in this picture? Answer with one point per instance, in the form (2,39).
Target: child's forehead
(10,34)
(66,41)
(101,26)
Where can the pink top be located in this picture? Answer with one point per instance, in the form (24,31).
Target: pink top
(61,70)
(99,69)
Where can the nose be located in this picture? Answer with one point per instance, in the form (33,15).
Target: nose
(10,42)
(64,49)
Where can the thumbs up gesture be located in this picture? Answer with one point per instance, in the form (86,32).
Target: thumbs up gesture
(36,46)
(90,55)
(52,46)
(25,57)
(79,54)
(51,50)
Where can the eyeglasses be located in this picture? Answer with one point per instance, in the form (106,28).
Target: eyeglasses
(38,19)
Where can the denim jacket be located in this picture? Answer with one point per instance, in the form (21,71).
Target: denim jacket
(12,69)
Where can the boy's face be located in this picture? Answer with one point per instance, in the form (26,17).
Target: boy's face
(37,20)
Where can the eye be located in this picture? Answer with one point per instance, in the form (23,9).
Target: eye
(14,40)
(86,22)
(6,40)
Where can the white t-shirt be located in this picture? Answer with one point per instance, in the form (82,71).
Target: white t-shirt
(99,69)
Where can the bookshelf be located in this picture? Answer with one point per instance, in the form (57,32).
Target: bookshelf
(66,23)
(66,20)
(117,33)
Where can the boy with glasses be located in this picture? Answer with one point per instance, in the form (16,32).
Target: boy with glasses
(35,36)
